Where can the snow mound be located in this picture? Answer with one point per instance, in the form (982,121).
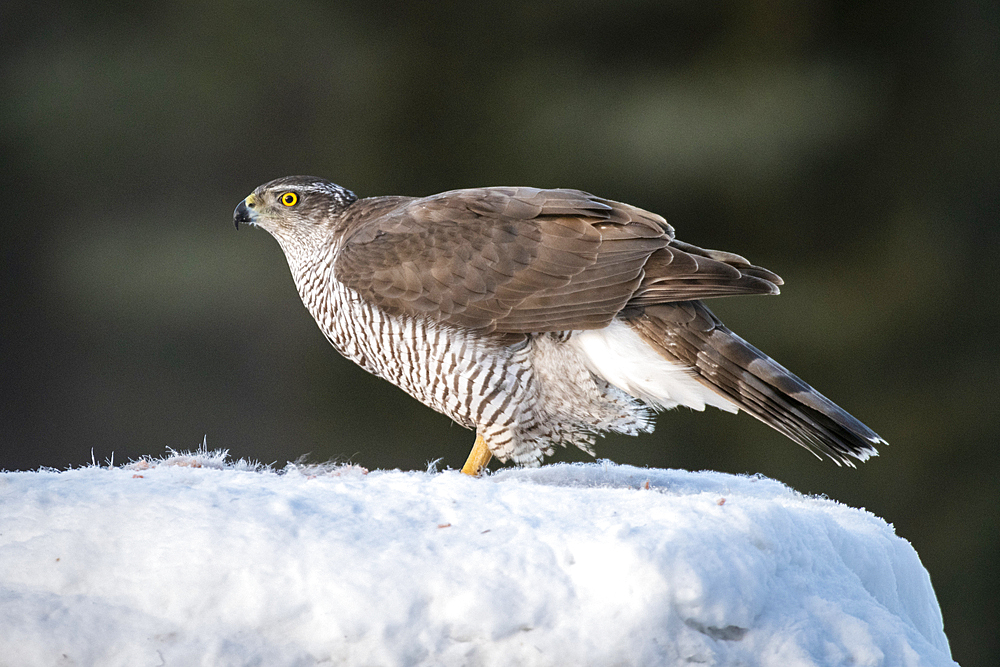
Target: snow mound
(192,560)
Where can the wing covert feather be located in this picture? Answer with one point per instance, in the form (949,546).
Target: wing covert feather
(525,260)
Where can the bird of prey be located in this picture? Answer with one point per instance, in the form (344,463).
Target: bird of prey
(536,317)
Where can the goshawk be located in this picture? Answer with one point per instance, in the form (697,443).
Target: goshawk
(536,317)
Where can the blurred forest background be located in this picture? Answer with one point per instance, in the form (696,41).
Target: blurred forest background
(852,147)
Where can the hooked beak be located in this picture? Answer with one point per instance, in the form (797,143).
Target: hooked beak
(244,213)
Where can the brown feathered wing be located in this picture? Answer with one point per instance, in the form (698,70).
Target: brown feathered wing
(524,260)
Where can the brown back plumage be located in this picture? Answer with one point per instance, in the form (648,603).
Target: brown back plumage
(524,260)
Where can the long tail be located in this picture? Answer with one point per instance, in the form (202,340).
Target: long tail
(690,334)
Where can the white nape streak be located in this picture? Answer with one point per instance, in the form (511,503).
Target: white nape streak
(620,355)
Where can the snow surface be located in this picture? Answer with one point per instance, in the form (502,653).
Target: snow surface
(193,560)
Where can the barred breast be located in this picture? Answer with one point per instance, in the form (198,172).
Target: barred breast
(523,393)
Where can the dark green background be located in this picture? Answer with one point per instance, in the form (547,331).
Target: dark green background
(849,146)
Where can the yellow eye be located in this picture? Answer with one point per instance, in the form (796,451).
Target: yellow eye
(289,199)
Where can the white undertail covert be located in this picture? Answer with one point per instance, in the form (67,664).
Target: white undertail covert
(620,356)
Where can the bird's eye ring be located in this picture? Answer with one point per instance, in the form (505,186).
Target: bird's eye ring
(289,199)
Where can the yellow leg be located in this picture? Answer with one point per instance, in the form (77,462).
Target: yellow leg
(478,458)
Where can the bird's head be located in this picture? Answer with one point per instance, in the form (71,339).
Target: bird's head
(293,206)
